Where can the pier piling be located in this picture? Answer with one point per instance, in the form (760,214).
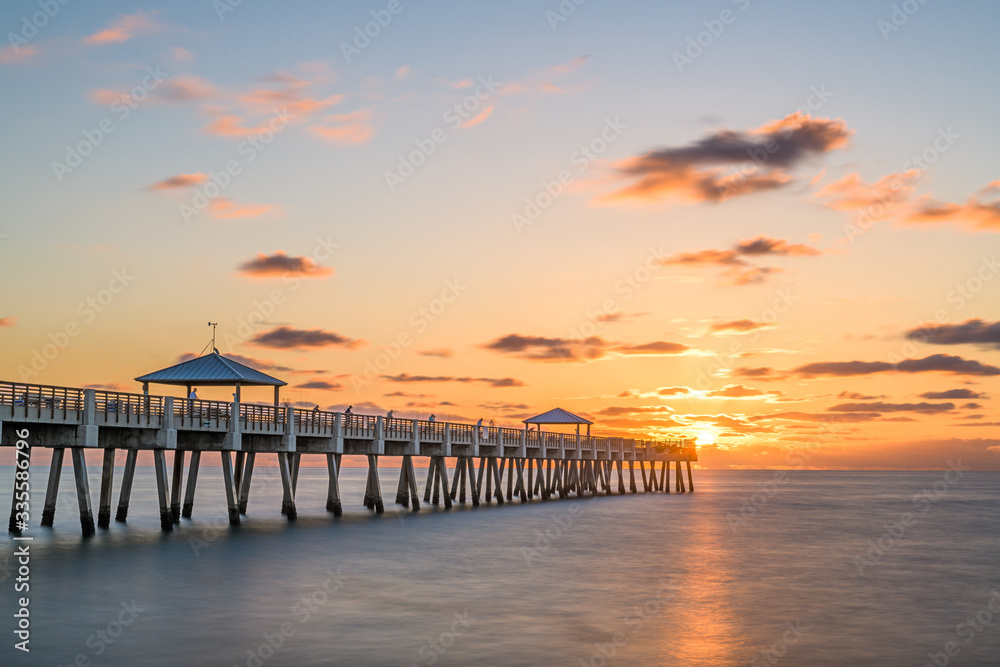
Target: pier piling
(52,489)
(126,491)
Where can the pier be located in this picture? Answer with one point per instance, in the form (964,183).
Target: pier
(492,464)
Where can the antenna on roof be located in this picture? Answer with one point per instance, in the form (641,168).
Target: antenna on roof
(213,325)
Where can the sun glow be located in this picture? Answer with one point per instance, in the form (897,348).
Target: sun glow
(705,438)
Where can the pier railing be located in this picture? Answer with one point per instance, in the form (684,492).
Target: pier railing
(70,405)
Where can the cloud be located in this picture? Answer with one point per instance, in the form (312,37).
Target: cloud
(493,382)
(934,363)
(285,337)
(924,408)
(8,321)
(321,384)
(404,72)
(735,327)
(478,118)
(760,373)
(851,193)
(952,393)
(181,55)
(441,352)
(180,181)
(739,391)
(974,331)
(736,269)
(280,264)
(223,208)
(231,125)
(124,28)
(672,391)
(853,395)
(347,129)
(540,348)
(704,171)
(11,54)
(974,215)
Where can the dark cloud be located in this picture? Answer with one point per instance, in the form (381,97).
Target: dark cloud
(287,338)
(705,170)
(975,332)
(442,352)
(279,264)
(321,384)
(672,391)
(853,395)
(925,408)
(760,373)
(952,393)
(936,362)
(736,327)
(539,348)
(828,418)
(736,269)
(493,382)
(739,391)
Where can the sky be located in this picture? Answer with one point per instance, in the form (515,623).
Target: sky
(769,226)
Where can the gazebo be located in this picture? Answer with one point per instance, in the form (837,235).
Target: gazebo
(211,370)
(559,416)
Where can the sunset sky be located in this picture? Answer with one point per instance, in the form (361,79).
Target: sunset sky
(772,226)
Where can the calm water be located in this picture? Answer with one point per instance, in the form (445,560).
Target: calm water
(633,580)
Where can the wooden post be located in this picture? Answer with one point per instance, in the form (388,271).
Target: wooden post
(287,494)
(126,490)
(430,480)
(631,477)
(160,463)
(192,481)
(473,485)
(333,503)
(83,492)
(456,476)
(175,486)
(442,469)
(412,481)
(376,487)
(479,482)
(52,489)
(403,488)
(679,478)
(107,480)
(510,478)
(690,480)
(243,485)
(238,471)
(433,472)
(621,478)
(231,498)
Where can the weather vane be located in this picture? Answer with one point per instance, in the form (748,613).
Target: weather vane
(213,325)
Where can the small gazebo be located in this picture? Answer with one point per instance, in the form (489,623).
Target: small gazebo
(211,370)
(559,416)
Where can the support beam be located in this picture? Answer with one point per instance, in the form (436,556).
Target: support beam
(679,478)
(479,483)
(162,492)
(295,460)
(231,498)
(456,476)
(333,503)
(498,479)
(690,480)
(411,478)
(631,477)
(430,480)
(511,464)
(376,487)
(473,484)
(442,469)
(107,480)
(238,471)
(52,489)
(126,491)
(244,484)
(287,493)
(621,478)
(192,482)
(403,488)
(461,472)
(175,486)
(433,471)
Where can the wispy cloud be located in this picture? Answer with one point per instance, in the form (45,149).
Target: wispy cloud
(736,269)
(540,348)
(493,382)
(124,28)
(279,264)
(285,337)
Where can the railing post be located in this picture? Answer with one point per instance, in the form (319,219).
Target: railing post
(338,434)
(414,436)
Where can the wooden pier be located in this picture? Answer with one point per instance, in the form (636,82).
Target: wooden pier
(538,464)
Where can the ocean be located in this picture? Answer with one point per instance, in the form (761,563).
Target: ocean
(753,568)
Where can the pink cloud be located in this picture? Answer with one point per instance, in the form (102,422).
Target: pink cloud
(124,28)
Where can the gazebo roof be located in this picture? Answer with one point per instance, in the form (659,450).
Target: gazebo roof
(210,370)
(557,416)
